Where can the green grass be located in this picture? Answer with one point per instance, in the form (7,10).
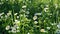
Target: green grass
(29,16)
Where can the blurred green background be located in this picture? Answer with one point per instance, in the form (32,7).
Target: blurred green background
(29,16)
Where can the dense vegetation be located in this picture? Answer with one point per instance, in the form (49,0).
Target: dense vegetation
(29,16)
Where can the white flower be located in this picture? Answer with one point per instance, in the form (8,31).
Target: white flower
(24,6)
(37,13)
(13,30)
(45,9)
(8,14)
(17,16)
(17,22)
(35,17)
(42,30)
(35,22)
(7,27)
(48,28)
(28,33)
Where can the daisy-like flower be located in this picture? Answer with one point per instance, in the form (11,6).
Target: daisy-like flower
(35,17)
(13,30)
(7,27)
(17,16)
(35,22)
(8,14)
(42,30)
(45,9)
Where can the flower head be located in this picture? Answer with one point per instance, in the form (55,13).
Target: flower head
(35,17)
(42,30)
(7,27)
